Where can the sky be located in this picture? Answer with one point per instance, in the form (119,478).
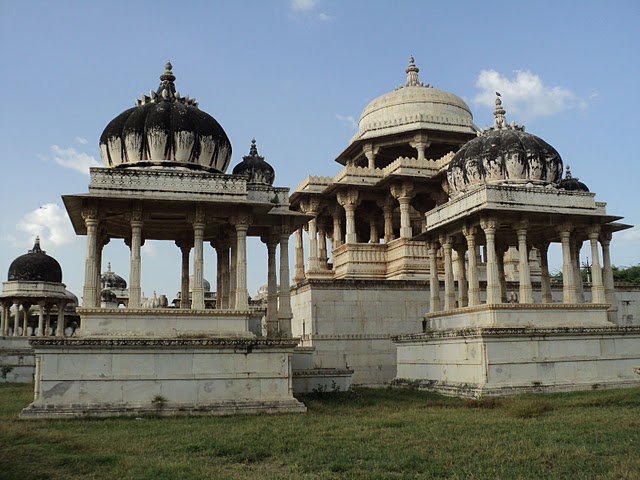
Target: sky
(296,74)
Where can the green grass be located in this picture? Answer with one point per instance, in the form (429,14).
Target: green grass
(384,434)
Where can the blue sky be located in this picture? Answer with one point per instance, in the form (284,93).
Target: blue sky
(296,75)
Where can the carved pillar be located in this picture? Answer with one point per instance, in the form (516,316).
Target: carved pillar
(449,287)
(434,283)
(313,261)
(4,321)
(135,289)
(16,320)
(568,286)
(284,296)
(224,259)
(607,272)
(370,152)
(349,199)
(242,295)
(323,257)
(597,284)
(197,289)
(387,206)
(373,229)
(25,319)
(336,215)
(48,324)
(524,273)
(299,275)
(577,273)
(403,193)
(463,295)
(91,221)
(40,331)
(61,320)
(474,284)
(420,143)
(233,269)
(271,241)
(185,250)
(545,279)
(493,281)
(502,280)
(102,240)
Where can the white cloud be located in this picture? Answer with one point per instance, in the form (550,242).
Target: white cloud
(81,141)
(71,158)
(348,120)
(629,236)
(50,222)
(323,17)
(525,96)
(149,250)
(303,5)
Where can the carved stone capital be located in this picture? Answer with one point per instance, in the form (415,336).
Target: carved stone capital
(310,205)
(402,190)
(490,224)
(348,197)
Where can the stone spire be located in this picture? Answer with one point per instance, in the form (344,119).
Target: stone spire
(167,89)
(412,74)
(499,120)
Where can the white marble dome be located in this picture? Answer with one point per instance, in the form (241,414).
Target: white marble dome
(504,154)
(168,130)
(414,106)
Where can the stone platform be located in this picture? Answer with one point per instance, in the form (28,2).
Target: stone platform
(79,377)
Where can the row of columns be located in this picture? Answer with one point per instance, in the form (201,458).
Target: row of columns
(602,289)
(22,316)
(231,274)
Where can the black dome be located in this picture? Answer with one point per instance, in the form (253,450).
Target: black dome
(108,296)
(111,280)
(35,266)
(504,153)
(166,129)
(254,166)
(571,183)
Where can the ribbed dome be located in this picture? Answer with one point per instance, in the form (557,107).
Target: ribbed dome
(254,166)
(571,183)
(414,106)
(165,129)
(35,266)
(504,154)
(111,280)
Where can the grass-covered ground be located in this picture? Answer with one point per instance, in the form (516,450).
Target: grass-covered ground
(362,434)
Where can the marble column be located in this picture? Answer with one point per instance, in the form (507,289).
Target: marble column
(493,279)
(242,295)
(4,319)
(48,323)
(463,292)
(25,319)
(272,284)
(524,271)
(577,273)
(135,289)
(40,332)
(474,283)
(299,275)
(285,313)
(323,256)
(449,287)
(222,271)
(16,320)
(61,320)
(420,143)
(597,284)
(568,286)
(313,261)
(349,200)
(185,250)
(233,270)
(370,152)
(224,259)
(197,289)
(91,221)
(502,280)
(405,218)
(607,273)
(337,228)
(373,230)
(434,282)
(387,211)
(545,279)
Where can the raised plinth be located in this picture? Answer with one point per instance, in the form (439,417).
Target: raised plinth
(78,377)
(163,322)
(509,360)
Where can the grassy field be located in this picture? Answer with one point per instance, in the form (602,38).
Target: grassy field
(361,434)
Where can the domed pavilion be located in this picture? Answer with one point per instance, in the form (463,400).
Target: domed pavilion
(34,280)
(164,179)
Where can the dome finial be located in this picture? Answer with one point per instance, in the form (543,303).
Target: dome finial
(567,173)
(499,120)
(253,151)
(412,74)
(168,74)
(36,246)
(109,267)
